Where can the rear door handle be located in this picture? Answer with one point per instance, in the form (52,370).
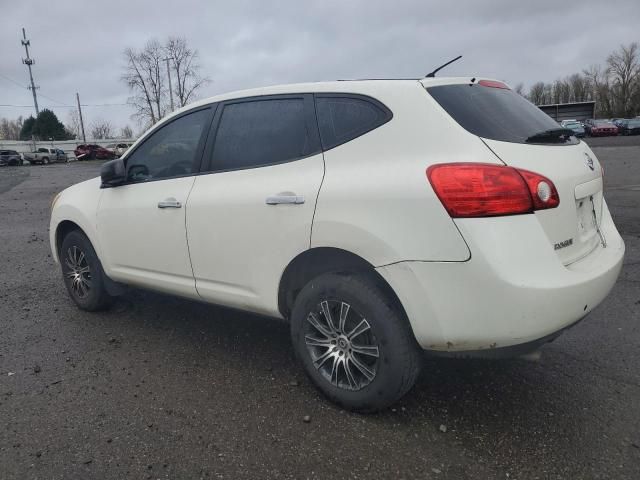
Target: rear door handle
(169,203)
(285,198)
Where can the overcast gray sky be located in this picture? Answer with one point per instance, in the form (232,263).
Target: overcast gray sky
(78,45)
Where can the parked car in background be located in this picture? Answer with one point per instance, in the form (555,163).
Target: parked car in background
(10,158)
(118,149)
(576,126)
(600,128)
(367,213)
(93,152)
(629,126)
(46,156)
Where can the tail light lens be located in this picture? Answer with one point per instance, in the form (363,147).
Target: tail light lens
(487,190)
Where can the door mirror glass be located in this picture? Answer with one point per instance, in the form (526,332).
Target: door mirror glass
(112,173)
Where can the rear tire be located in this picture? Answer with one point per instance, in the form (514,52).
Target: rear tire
(365,371)
(82,273)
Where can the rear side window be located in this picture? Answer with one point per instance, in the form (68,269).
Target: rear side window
(343,118)
(496,113)
(261,132)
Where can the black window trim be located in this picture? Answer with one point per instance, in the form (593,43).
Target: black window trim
(358,96)
(197,161)
(310,118)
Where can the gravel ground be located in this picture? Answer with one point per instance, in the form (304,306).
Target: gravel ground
(159,387)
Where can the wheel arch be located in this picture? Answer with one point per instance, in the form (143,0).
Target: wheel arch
(62,230)
(320,260)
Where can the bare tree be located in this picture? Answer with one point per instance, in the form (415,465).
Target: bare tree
(599,81)
(536,93)
(579,87)
(126,132)
(146,80)
(4,129)
(519,89)
(10,129)
(73,123)
(183,61)
(624,70)
(146,76)
(101,129)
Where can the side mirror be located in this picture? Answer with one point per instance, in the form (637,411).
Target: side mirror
(113,173)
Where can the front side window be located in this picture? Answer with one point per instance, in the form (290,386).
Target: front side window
(261,132)
(343,118)
(169,151)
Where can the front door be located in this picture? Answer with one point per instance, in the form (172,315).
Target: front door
(252,214)
(141,225)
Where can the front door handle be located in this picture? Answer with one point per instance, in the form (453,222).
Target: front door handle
(169,203)
(281,199)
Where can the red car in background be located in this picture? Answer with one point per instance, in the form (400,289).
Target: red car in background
(600,128)
(91,152)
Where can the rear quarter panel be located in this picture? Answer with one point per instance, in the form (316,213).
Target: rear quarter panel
(375,199)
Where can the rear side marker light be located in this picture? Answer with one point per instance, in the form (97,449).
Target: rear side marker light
(488,190)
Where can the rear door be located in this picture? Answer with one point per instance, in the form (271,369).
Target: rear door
(522,136)
(251,213)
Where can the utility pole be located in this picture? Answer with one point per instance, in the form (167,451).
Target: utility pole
(28,62)
(84,139)
(169,75)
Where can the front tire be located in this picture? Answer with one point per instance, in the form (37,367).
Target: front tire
(82,273)
(45,161)
(353,342)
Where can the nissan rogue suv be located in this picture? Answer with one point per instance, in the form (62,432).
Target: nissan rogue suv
(381,218)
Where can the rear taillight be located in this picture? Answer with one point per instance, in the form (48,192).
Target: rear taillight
(487,190)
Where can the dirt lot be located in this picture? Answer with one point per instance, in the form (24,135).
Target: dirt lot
(160,387)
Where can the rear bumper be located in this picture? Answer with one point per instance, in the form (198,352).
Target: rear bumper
(512,291)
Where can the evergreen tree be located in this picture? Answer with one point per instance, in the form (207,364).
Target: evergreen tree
(27,128)
(48,126)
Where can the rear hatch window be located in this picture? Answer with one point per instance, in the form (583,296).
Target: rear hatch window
(493,111)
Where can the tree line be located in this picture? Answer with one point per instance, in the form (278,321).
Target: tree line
(615,86)
(47,126)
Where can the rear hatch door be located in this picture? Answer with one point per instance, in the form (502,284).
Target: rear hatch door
(572,227)
(524,137)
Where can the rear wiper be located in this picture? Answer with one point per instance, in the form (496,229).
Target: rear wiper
(552,133)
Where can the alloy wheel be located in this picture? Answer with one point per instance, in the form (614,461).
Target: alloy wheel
(342,345)
(78,271)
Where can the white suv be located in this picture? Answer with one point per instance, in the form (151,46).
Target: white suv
(381,218)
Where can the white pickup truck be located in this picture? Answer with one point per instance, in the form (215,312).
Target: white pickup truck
(46,156)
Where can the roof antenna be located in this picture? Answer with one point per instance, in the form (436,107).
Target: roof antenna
(433,74)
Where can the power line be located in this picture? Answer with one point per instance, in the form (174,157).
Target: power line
(68,106)
(11,80)
(62,104)
(52,99)
(41,94)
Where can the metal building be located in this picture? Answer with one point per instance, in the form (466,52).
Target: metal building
(570,111)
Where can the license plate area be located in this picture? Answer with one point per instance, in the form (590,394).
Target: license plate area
(586,223)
